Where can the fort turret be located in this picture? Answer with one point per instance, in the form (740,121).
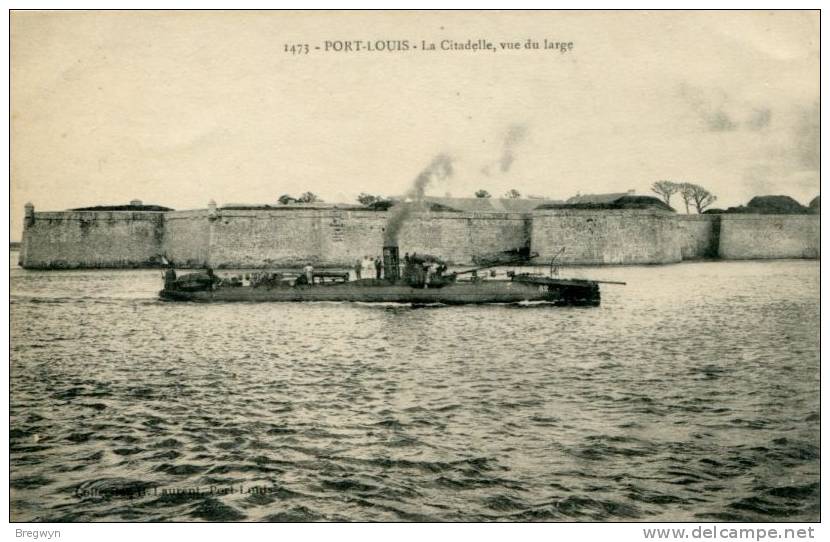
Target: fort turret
(213,213)
(29,218)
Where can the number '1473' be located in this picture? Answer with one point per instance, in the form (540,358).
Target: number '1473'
(296,48)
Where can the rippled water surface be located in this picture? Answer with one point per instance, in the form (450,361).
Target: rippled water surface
(690,394)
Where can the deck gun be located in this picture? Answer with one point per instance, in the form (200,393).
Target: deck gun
(525,261)
(506,263)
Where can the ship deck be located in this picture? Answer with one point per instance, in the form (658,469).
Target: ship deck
(375,290)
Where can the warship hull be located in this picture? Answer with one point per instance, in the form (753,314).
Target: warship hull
(562,292)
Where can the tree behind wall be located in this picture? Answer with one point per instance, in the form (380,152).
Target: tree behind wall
(367,199)
(702,198)
(694,194)
(685,190)
(482,194)
(665,189)
(310,197)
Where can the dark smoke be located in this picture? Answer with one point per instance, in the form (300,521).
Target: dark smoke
(439,169)
(712,107)
(515,135)
(759,119)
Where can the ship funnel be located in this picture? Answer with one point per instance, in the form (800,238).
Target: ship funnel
(391,263)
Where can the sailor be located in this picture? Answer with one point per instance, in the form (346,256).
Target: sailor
(358,267)
(378,267)
(308,271)
(214,280)
(414,267)
(367,266)
(169,278)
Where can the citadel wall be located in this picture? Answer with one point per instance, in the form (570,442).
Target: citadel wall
(72,239)
(698,235)
(186,240)
(590,237)
(288,237)
(746,236)
(339,237)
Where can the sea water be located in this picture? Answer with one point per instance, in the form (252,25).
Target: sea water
(691,393)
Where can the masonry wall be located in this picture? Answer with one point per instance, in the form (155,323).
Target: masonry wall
(187,238)
(698,236)
(72,239)
(347,235)
(267,238)
(337,238)
(460,237)
(586,237)
(745,236)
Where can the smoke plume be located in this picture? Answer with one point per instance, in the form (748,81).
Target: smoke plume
(515,135)
(439,169)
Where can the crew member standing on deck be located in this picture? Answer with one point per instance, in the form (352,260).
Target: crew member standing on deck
(309,273)
(378,267)
(214,280)
(169,278)
(358,267)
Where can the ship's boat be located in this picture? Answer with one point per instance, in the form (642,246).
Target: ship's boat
(423,281)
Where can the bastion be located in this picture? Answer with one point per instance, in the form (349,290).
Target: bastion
(89,239)
(287,236)
(610,236)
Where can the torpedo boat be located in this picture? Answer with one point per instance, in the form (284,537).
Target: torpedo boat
(424,281)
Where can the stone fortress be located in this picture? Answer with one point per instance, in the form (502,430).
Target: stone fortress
(458,230)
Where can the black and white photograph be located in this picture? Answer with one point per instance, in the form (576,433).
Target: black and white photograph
(426,266)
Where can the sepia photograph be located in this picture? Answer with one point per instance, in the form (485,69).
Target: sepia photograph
(415,267)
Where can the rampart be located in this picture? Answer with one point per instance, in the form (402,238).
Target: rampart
(337,237)
(186,238)
(698,236)
(747,236)
(630,236)
(72,239)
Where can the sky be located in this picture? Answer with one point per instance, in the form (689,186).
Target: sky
(180,108)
